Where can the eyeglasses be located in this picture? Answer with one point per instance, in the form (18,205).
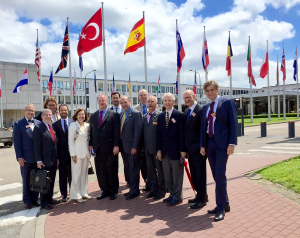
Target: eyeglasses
(51,105)
(187,98)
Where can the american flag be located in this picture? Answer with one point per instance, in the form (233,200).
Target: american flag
(64,52)
(38,59)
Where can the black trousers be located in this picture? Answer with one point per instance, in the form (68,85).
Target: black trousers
(155,173)
(197,164)
(47,198)
(143,167)
(65,175)
(107,166)
(28,196)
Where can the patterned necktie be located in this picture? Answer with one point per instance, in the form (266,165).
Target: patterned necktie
(144,109)
(51,132)
(66,126)
(188,115)
(167,120)
(100,118)
(149,116)
(210,119)
(116,109)
(122,123)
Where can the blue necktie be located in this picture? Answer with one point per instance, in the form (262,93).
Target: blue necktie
(188,114)
(144,109)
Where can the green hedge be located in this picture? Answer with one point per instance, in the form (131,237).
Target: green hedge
(266,115)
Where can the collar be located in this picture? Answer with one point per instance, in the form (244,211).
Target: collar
(193,106)
(142,105)
(217,100)
(170,110)
(151,113)
(28,119)
(104,111)
(128,109)
(118,107)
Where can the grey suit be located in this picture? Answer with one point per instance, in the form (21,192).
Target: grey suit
(131,134)
(154,166)
(139,108)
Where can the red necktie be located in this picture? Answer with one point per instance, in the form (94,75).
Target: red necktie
(100,118)
(51,132)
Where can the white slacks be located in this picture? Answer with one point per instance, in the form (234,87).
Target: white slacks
(79,185)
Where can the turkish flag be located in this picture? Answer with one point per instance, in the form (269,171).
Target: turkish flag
(91,34)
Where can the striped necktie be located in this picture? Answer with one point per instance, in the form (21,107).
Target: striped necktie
(167,120)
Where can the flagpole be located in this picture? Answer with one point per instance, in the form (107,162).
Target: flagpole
(28,85)
(52,84)
(206,98)
(230,70)
(284,106)
(70,68)
(297,104)
(277,75)
(104,54)
(145,55)
(1,88)
(178,76)
(269,111)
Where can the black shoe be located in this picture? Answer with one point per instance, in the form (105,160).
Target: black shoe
(168,199)
(151,195)
(198,205)
(28,206)
(54,202)
(215,210)
(146,188)
(159,196)
(193,200)
(126,194)
(48,207)
(219,216)
(113,197)
(36,204)
(103,195)
(65,199)
(131,196)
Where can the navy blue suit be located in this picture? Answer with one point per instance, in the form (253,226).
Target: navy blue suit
(23,143)
(225,133)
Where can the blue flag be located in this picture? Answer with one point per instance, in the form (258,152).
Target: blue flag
(95,84)
(80,63)
(295,66)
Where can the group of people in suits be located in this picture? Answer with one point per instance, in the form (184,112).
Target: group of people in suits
(151,142)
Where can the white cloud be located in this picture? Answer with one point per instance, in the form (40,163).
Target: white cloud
(17,43)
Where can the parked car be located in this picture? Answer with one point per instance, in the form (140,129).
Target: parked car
(6,136)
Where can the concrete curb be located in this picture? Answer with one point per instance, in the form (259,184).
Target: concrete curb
(39,231)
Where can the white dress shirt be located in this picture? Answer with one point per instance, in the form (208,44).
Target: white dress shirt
(119,109)
(170,112)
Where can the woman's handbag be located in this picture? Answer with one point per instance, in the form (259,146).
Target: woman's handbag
(91,170)
(40,181)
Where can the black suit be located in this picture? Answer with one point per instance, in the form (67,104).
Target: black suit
(197,162)
(63,157)
(45,151)
(103,139)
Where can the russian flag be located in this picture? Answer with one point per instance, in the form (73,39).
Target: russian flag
(180,52)
(23,81)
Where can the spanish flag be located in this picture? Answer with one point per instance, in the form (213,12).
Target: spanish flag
(136,38)
(229,55)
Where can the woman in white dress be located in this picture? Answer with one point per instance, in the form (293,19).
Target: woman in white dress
(78,147)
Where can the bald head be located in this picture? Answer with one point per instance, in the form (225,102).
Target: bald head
(189,97)
(125,103)
(143,95)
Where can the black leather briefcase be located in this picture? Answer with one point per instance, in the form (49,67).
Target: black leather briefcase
(40,181)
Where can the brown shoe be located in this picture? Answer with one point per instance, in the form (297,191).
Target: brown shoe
(48,207)
(28,206)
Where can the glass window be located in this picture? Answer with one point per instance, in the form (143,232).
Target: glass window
(162,88)
(153,89)
(87,88)
(68,99)
(133,88)
(59,85)
(100,86)
(45,84)
(134,100)
(54,85)
(144,86)
(67,85)
(123,88)
(167,89)
(60,100)
(198,90)
(149,89)
(171,89)
(139,87)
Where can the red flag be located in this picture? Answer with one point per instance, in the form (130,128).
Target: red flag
(91,34)
(250,75)
(265,66)
(283,69)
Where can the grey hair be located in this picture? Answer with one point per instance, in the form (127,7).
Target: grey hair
(102,94)
(168,94)
(46,110)
(29,105)
(153,97)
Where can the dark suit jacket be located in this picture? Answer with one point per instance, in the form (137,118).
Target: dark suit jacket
(44,146)
(132,130)
(149,133)
(108,135)
(171,141)
(23,140)
(62,140)
(225,126)
(192,130)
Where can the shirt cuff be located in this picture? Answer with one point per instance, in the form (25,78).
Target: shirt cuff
(40,162)
(232,144)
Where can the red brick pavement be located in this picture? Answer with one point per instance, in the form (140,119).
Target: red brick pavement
(255,211)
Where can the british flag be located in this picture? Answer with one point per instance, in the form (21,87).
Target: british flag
(65,51)
(38,59)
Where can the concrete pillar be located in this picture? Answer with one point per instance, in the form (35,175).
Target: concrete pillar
(272,104)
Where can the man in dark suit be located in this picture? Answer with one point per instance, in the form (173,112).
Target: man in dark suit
(218,139)
(115,98)
(44,141)
(61,127)
(23,144)
(131,130)
(105,140)
(154,166)
(170,147)
(197,162)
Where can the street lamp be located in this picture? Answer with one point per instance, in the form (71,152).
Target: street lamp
(199,80)
(85,88)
